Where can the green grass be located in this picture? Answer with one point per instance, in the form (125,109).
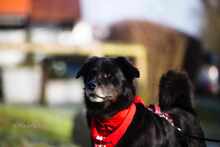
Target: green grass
(26,126)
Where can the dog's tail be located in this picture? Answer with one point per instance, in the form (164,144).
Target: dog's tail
(175,91)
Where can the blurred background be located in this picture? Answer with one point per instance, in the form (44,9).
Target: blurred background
(44,42)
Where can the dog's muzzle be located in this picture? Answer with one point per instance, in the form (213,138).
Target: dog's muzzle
(98,99)
(95,95)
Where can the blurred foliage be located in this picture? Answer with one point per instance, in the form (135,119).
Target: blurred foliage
(34,127)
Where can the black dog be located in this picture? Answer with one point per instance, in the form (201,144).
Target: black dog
(118,118)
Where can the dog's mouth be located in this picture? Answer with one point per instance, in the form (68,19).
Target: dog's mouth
(93,97)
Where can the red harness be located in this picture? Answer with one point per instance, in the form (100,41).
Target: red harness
(165,115)
(108,132)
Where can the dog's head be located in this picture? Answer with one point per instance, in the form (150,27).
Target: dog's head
(108,84)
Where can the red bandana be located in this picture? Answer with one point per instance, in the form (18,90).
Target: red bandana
(107,132)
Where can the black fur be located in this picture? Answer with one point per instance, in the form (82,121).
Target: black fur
(175,91)
(114,77)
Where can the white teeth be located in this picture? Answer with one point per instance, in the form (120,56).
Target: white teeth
(96,99)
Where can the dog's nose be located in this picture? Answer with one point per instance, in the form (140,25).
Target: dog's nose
(91,85)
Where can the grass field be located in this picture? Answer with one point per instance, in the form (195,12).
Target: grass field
(28,126)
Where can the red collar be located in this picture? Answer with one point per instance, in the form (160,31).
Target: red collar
(108,132)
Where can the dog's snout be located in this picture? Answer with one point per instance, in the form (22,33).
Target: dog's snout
(91,85)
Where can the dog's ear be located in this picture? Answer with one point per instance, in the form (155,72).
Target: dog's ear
(84,69)
(128,69)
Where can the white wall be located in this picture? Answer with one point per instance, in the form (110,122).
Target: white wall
(22,85)
(64,91)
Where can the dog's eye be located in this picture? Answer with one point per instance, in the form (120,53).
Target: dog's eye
(107,76)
